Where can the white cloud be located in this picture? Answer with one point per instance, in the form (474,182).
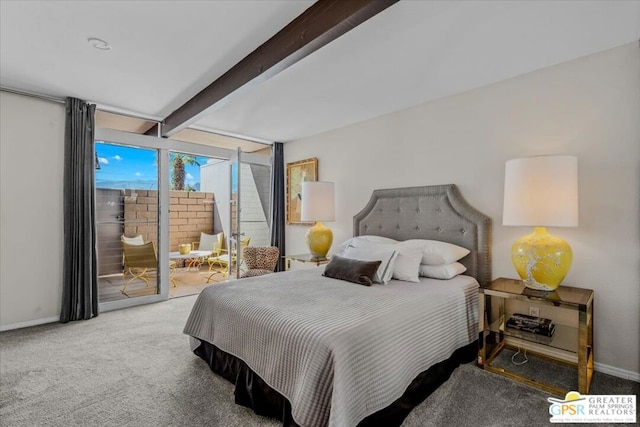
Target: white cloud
(116,157)
(103,160)
(188,176)
(138,174)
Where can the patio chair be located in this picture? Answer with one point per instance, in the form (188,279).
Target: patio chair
(136,240)
(208,242)
(260,260)
(219,262)
(140,261)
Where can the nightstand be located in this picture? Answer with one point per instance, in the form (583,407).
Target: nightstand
(571,310)
(305,259)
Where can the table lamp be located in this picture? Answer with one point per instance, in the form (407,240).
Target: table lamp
(541,192)
(318,205)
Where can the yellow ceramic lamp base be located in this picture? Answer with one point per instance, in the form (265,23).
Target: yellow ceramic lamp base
(541,259)
(319,239)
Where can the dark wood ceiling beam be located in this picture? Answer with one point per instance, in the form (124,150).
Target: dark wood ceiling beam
(153,130)
(323,22)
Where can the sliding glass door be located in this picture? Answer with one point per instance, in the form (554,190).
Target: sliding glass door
(228,191)
(192,215)
(130,206)
(127,212)
(249,203)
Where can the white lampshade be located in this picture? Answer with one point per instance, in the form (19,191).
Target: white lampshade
(541,191)
(317,201)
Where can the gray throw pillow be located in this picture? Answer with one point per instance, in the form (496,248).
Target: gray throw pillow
(352,270)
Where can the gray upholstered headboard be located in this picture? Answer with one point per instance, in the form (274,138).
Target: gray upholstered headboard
(435,212)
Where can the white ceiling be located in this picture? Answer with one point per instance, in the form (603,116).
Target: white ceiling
(164,52)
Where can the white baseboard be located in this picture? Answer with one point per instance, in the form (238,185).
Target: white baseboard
(563,355)
(28,323)
(617,372)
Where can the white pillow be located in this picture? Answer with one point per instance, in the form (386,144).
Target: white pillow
(407,264)
(375,253)
(435,252)
(447,271)
(362,240)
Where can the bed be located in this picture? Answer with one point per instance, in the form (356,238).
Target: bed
(317,351)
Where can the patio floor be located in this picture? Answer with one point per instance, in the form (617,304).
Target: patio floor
(188,282)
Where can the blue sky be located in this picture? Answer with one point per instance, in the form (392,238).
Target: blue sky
(129,167)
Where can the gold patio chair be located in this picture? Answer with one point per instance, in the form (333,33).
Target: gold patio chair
(136,240)
(219,262)
(140,260)
(209,243)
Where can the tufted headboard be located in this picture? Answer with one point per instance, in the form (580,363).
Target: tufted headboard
(435,212)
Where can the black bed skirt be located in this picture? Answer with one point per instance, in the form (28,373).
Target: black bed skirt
(251,391)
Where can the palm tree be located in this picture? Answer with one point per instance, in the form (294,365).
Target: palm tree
(178,161)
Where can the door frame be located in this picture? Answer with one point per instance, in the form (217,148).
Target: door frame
(162,145)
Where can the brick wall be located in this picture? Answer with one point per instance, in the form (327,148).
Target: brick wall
(190,213)
(141,214)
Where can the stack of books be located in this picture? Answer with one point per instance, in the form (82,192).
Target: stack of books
(535,325)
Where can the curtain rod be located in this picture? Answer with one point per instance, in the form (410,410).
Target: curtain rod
(59,100)
(106,109)
(33,95)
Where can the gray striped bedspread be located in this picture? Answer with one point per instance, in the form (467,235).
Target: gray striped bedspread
(338,351)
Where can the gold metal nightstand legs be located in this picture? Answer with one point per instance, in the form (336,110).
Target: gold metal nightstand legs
(570,345)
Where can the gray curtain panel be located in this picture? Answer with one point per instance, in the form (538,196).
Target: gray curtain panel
(277,199)
(80,272)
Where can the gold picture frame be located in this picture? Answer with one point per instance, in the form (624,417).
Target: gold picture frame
(302,170)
